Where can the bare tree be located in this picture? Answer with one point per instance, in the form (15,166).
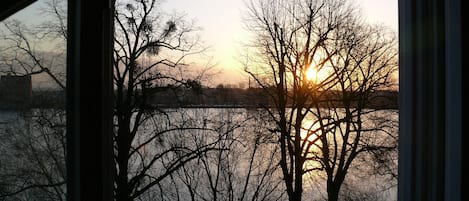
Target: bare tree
(311,114)
(364,59)
(290,36)
(150,52)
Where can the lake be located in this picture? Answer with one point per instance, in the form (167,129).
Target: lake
(243,163)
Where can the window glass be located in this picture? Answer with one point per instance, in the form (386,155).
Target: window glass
(256,100)
(32,102)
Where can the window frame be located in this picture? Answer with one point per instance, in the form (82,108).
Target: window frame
(430,98)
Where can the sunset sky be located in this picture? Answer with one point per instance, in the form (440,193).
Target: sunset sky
(222,24)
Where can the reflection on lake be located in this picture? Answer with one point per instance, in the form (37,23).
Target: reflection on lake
(242,163)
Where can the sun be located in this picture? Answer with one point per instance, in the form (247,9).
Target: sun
(315,75)
(312,74)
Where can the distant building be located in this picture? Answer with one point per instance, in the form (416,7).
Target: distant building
(15,91)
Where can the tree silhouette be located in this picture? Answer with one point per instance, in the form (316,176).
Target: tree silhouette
(149,57)
(319,123)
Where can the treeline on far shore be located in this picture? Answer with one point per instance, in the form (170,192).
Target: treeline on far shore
(37,99)
(202,98)
(255,98)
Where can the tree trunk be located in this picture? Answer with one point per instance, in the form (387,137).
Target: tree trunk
(333,188)
(122,186)
(296,196)
(123,189)
(333,192)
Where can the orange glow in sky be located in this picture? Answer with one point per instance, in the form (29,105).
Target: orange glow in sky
(223,29)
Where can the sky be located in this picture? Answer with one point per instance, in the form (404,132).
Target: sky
(223,30)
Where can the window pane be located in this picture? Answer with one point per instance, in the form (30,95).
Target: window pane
(32,102)
(308,90)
